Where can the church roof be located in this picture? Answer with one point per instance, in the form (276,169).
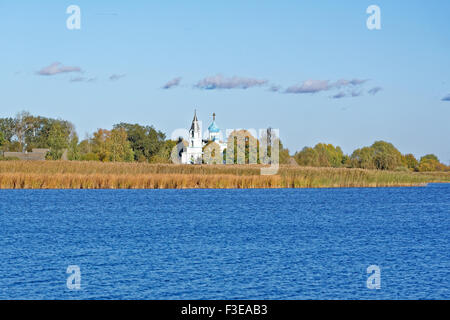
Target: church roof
(213,127)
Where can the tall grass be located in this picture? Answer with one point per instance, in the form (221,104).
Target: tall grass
(97,175)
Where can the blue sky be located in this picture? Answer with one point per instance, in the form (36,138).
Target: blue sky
(228,57)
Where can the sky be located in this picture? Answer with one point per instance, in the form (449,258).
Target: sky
(311,69)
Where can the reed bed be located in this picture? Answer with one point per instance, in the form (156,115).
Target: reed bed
(97,175)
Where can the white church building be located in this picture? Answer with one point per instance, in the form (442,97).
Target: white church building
(191,151)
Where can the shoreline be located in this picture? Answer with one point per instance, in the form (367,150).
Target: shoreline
(231,188)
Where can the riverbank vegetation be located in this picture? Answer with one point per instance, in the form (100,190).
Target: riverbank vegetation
(115,175)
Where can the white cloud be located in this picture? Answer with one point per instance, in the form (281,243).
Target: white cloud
(220,82)
(57,68)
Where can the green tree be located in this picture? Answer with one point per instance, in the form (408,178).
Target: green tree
(381,155)
(37,132)
(85,148)
(7,128)
(363,158)
(386,156)
(328,155)
(2,139)
(164,153)
(307,157)
(429,157)
(57,141)
(322,155)
(74,149)
(145,141)
(119,148)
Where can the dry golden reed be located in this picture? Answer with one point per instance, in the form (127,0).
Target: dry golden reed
(97,175)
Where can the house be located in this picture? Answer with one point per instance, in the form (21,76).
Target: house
(35,155)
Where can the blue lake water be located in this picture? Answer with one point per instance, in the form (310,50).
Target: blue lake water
(226,244)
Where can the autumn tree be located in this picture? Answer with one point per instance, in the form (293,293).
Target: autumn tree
(322,155)
(430,162)
(112,145)
(307,157)
(410,162)
(284,155)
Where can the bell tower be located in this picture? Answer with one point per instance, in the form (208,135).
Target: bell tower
(195,133)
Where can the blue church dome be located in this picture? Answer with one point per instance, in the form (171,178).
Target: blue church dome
(213,127)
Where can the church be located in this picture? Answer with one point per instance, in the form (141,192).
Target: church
(192,150)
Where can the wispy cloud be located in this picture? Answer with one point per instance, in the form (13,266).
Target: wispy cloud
(274,88)
(314,86)
(82,79)
(310,86)
(374,90)
(339,95)
(115,77)
(342,94)
(345,83)
(220,82)
(57,68)
(172,83)
(446,98)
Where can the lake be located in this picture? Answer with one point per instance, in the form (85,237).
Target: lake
(226,244)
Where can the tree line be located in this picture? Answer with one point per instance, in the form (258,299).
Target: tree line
(381,155)
(127,142)
(123,143)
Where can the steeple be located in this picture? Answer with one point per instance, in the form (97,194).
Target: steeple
(195,126)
